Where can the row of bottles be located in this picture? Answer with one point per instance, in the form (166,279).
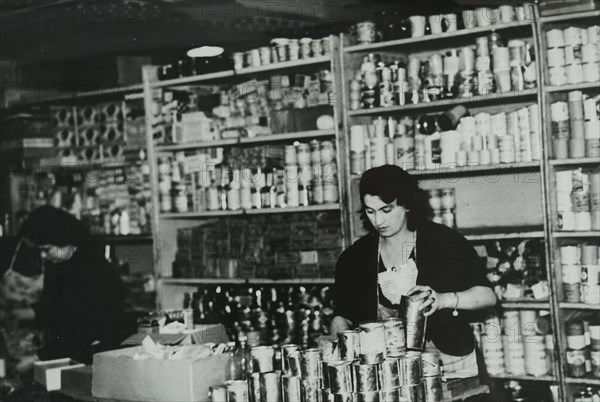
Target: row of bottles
(266,315)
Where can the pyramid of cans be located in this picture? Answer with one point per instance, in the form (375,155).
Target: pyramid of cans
(375,362)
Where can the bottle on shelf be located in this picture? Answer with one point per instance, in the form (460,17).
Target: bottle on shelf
(6,386)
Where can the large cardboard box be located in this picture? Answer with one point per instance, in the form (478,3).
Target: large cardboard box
(49,372)
(117,376)
(205,333)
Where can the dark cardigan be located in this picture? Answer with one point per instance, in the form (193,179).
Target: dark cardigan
(446,262)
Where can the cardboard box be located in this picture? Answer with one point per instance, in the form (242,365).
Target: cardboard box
(213,333)
(117,376)
(48,373)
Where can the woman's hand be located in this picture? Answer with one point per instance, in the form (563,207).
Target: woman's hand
(431,301)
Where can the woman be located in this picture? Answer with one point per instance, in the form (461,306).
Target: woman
(59,276)
(435,265)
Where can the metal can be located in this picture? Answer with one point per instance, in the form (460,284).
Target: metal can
(237,391)
(349,344)
(285,352)
(431,364)
(411,368)
(391,373)
(433,389)
(328,349)
(270,389)
(310,364)
(254,387)
(263,359)
(292,389)
(413,392)
(366,377)
(391,395)
(340,377)
(218,393)
(372,338)
(416,323)
(395,341)
(374,396)
(311,390)
(342,397)
(576,363)
(295,363)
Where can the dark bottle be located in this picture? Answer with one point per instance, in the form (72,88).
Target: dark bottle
(265,192)
(427,124)
(450,119)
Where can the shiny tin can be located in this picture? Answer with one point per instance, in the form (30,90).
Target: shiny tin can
(395,341)
(433,389)
(270,386)
(349,344)
(312,390)
(431,364)
(285,352)
(411,368)
(342,397)
(374,396)
(391,373)
(310,364)
(372,338)
(366,377)
(218,393)
(413,392)
(292,388)
(340,377)
(237,391)
(295,363)
(254,387)
(263,359)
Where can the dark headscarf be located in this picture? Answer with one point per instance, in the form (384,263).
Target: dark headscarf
(49,225)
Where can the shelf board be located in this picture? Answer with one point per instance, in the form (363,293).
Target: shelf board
(574,161)
(579,306)
(499,233)
(546,378)
(123,239)
(573,235)
(441,38)
(502,98)
(241,281)
(262,211)
(570,17)
(247,141)
(525,304)
(284,65)
(573,87)
(472,170)
(195,79)
(310,208)
(585,381)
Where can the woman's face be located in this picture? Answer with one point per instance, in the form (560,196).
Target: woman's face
(387,219)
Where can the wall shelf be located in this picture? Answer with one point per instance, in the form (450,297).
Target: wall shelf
(574,87)
(262,211)
(501,233)
(248,281)
(544,378)
(579,306)
(575,235)
(570,17)
(574,162)
(437,39)
(300,135)
(479,100)
(525,305)
(284,65)
(584,381)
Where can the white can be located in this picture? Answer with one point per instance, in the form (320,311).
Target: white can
(572,36)
(590,53)
(573,54)
(535,355)
(555,38)
(593,34)
(557,76)
(571,273)
(569,254)
(575,73)
(591,72)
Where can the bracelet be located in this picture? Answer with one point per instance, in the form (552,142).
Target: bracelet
(455,312)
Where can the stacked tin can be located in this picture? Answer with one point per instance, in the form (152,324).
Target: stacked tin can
(573,55)
(583,348)
(580,273)
(575,127)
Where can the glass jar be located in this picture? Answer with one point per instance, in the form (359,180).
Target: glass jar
(435,201)
(448,200)
(303,154)
(448,217)
(437,216)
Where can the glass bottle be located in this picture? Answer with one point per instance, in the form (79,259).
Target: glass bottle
(234,365)
(233,195)
(223,189)
(213,193)
(265,191)
(244,355)
(6,386)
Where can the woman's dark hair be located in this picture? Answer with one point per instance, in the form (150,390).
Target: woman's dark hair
(49,225)
(390,182)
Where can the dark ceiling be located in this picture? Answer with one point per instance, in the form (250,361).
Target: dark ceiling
(37,31)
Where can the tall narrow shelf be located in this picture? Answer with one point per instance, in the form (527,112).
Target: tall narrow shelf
(171,222)
(562,311)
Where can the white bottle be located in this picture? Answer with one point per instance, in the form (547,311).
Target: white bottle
(124,223)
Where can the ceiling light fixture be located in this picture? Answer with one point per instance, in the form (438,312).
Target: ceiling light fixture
(205,51)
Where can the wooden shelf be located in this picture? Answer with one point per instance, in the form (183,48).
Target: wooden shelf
(284,65)
(123,239)
(575,162)
(249,281)
(545,378)
(579,306)
(300,135)
(525,304)
(574,235)
(570,17)
(195,79)
(482,100)
(262,211)
(573,87)
(584,381)
(500,233)
(440,38)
